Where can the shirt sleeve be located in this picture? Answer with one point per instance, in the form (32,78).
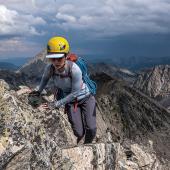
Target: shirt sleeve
(76,76)
(45,78)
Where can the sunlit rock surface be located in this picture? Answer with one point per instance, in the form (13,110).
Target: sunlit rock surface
(31,138)
(26,128)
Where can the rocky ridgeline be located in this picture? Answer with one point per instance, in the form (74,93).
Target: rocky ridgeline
(35,67)
(113,71)
(36,139)
(133,131)
(155,82)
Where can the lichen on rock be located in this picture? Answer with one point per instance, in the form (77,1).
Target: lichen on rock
(43,140)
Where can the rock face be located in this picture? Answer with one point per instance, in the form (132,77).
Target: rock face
(108,156)
(29,137)
(13,79)
(132,115)
(133,132)
(155,82)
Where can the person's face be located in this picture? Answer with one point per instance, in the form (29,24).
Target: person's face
(58,62)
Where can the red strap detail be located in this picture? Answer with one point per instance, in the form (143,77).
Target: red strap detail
(75,106)
(76,102)
(72,57)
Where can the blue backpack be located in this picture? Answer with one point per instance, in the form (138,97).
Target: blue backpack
(83,67)
(85,76)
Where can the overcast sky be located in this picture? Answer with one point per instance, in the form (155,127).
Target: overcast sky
(98,27)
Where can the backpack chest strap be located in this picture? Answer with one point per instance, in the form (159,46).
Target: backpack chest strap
(63,75)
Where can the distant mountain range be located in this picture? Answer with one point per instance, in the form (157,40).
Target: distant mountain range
(12,63)
(133,63)
(8,66)
(137,63)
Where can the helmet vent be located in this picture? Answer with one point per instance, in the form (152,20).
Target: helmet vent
(62,47)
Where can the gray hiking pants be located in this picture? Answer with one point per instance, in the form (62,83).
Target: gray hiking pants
(83,118)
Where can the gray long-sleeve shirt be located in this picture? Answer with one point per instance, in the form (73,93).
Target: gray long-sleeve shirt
(73,86)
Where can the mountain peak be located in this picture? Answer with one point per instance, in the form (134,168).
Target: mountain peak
(155,82)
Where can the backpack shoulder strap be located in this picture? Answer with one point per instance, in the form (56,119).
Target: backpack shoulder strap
(70,65)
(52,70)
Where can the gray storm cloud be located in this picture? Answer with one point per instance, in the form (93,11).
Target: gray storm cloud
(96,18)
(13,23)
(106,17)
(114,17)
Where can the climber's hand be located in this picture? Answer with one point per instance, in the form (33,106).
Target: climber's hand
(34,98)
(49,106)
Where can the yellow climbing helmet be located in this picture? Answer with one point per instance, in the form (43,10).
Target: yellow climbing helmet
(57,47)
